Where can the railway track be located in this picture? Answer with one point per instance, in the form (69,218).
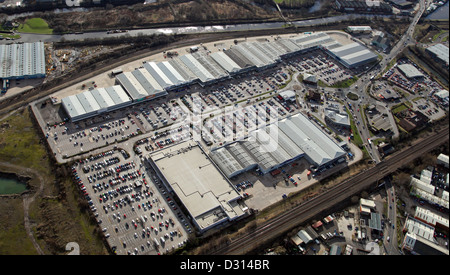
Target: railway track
(301,213)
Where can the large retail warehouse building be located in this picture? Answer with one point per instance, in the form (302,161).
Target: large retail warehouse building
(208,196)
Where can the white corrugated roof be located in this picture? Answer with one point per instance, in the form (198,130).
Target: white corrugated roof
(225,62)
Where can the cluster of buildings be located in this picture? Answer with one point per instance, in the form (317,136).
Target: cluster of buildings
(424,226)
(205,192)
(155,79)
(420,233)
(276,145)
(439,53)
(362,6)
(201,180)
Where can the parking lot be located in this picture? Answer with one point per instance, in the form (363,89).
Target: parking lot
(135,213)
(325,68)
(422,87)
(72,138)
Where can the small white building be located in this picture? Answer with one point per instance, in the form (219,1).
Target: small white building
(442,160)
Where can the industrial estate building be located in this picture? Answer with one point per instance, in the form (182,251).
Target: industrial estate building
(208,196)
(276,145)
(410,71)
(440,53)
(353,55)
(94,102)
(155,79)
(22,60)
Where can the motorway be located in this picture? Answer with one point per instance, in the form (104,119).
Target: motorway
(277,226)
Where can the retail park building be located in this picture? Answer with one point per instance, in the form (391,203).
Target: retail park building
(155,79)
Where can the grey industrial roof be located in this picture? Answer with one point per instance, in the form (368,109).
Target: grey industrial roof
(140,84)
(20,60)
(410,71)
(194,66)
(210,65)
(89,102)
(252,47)
(311,140)
(441,51)
(271,146)
(306,41)
(204,191)
(251,54)
(175,77)
(239,58)
(225,62)
(183,70)
(353,54)
(158,74)
(287,45)
(226,162)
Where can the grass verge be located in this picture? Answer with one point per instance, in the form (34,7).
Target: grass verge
(35,25)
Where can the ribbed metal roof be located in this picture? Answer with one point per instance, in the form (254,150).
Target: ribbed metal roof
(194,66)
(158,74)
(22,60)
(168,70)
(225,62)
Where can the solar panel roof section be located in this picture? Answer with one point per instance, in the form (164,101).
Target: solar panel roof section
(158,75)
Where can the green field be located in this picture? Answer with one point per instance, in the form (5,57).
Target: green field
(35,25)
(295,3)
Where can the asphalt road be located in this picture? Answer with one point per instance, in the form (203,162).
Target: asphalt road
(360,86)
(31,37)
